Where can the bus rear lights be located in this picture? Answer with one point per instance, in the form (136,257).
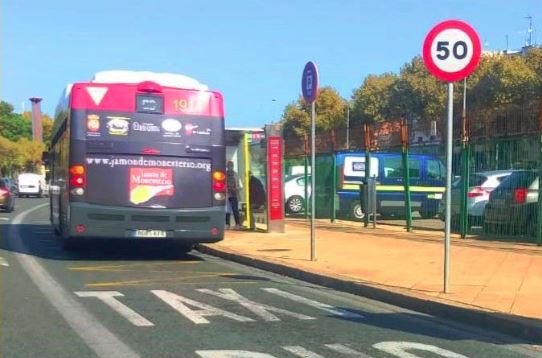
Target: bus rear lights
(80,228)
(220,196)
(78,191)
(77,180)
(219,186)
(149,87)
(214,231)
(77,170)
(219,176)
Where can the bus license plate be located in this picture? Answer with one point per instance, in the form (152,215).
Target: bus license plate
(150,233)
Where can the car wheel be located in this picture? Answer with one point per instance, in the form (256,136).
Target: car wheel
(295,204)
(356,212)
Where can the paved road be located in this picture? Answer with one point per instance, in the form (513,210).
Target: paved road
(140,299)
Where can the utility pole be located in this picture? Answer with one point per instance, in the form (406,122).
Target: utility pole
(529,40)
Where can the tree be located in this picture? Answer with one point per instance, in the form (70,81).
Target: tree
(373,100)
(505,80)
(330,113)
(533,60)
(9,157)
(6,109)
(419,93)
(29,153)
(14,127)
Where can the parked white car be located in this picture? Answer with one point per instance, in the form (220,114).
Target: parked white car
(31,184)
(294,193)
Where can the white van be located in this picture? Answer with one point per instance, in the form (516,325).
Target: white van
(31,184)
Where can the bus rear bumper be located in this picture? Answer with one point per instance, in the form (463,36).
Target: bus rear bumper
(104,222)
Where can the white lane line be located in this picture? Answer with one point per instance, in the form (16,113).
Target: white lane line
(108,297)
(340,348)
(102,341)
(301,352)
(316,304)
(4,219)
(259,309)
(3,262)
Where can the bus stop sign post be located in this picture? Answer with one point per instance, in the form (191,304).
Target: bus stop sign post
(309,88)
(451,51)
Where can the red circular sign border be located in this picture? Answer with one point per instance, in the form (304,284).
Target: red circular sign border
(471,66)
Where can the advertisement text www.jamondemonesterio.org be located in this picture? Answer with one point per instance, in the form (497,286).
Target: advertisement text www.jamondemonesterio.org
(145,162)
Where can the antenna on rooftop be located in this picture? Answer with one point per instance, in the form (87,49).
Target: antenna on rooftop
(529,37)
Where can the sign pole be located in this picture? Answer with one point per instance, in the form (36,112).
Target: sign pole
(449,153)
(309,88)
(451,51)
(313,179)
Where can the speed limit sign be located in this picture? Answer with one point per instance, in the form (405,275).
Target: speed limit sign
(451,50)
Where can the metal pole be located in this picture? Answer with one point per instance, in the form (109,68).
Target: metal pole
(539,218)
(449,153)
(347,125)
(306,181)
(367,141)
(334,176)
(406,175)
(247,179)
(464,224)
(313,179)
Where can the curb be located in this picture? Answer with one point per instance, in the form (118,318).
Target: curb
(525,328)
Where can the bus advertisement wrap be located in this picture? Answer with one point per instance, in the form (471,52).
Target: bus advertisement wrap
(152,182)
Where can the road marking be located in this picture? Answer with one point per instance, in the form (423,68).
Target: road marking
(123,268)
(102,341)
(3,262)
(399,349)
(232,354)
(108,297)
(4,219)
(340,348)
(179,302)
(258,309)
(149,281)
(322,306)
(301,352)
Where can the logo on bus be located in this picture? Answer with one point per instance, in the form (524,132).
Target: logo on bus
(171,127)
(190,129)
(93,125)
(147,183)
(118,125)
(145,127)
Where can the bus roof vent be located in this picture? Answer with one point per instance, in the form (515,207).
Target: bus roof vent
(161,78)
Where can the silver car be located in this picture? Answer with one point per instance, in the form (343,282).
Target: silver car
(481,185)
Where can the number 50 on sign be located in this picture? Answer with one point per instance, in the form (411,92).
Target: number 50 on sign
(451,50)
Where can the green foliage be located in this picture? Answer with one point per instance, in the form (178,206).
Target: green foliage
(506,80)
(17,149)
(374,99)
(330,113)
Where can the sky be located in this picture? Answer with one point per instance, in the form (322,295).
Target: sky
(253,51)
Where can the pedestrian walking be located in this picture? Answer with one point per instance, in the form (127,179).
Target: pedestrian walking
(233,186)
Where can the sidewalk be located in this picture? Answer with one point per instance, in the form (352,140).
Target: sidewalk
(500,283)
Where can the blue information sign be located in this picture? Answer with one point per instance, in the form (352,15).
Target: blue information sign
(309,82)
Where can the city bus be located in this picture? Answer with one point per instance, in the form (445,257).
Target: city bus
(138,155)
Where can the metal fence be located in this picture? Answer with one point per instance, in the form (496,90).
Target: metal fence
(489,146)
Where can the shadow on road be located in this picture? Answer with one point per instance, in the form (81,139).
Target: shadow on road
(39,240)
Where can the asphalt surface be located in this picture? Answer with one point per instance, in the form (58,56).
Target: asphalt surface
(142,299)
